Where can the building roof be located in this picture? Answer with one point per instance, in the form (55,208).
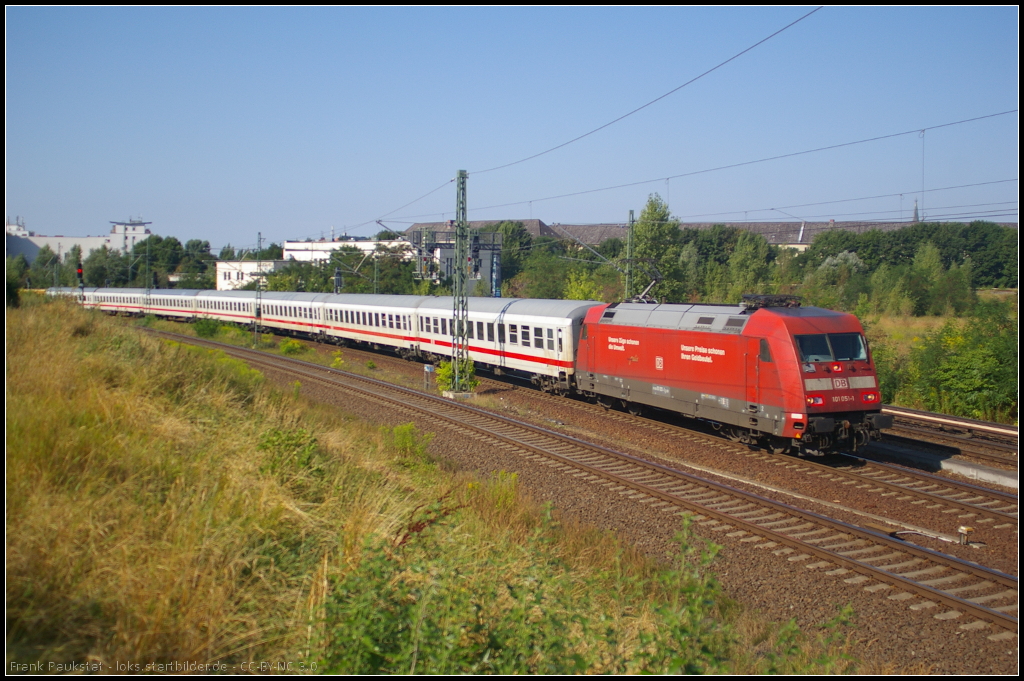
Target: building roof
(534,227)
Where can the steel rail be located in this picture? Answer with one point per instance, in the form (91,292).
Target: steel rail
(956,421)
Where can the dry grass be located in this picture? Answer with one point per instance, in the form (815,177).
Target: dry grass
(905,331)
(142,521)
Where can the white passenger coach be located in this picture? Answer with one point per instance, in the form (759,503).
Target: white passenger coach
(536,338)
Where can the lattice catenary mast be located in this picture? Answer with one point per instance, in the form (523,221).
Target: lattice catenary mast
(460,318)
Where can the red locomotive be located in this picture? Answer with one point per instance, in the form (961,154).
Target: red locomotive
(768,371)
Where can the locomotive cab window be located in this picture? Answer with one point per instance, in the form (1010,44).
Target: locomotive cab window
(847,347)
(766,353)
(838,347)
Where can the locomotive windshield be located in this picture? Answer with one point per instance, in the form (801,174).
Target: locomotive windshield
(831,347)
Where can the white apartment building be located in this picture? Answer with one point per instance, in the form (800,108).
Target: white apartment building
(234,274)
(315,251)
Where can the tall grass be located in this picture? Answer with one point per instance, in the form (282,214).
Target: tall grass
(162,503)
(165,505)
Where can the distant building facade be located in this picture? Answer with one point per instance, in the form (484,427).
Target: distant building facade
(122,237)
(235,274)
(318,251)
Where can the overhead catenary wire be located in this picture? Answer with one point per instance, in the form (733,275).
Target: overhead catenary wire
(860,198)
(408,219)
(653,101)
(733,165)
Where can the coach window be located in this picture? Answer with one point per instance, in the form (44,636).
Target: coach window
(490,332)
(551,339)
(469,330)
(513,333)
(538,339)
(501,333)
(526,336)
(444,326)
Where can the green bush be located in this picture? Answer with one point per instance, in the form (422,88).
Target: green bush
(968,367)
(206,328)
(290,346)
(445,377)
(428,604)
(408,443)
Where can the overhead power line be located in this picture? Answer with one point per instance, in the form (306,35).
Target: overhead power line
(653,101)
(860,198)
(915,131)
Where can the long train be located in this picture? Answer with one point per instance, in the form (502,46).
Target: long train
(767,371)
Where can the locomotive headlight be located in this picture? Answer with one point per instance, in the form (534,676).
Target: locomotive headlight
(815,400)
(837,367)
(870,397)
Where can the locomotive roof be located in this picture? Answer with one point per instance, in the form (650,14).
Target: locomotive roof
(699,317)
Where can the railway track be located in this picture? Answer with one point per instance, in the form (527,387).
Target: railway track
(921,578)
(988,508)
(983,508)
(993,443)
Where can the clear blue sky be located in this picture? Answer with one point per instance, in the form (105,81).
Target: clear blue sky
(221,123)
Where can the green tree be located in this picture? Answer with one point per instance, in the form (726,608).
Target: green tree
(749,266)
(581,285)
(657,243)
(516,243)
(17,273)
(544,272)
(104,267)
